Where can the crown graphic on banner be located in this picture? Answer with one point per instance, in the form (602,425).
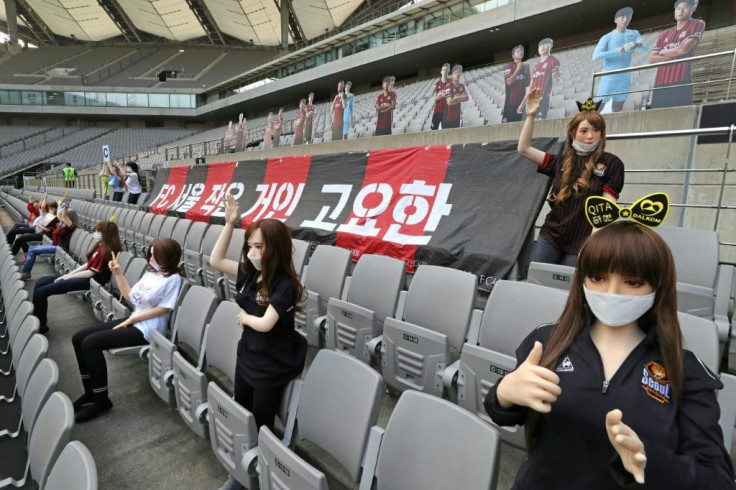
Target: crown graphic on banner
(650,210)
(588,105)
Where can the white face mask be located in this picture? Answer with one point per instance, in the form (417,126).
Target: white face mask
(154,265)
(583,148)
(97,236)
(617,310)
(255,261)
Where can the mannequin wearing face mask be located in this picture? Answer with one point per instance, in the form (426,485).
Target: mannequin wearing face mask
(270,352)
(608,395)
(584,169)
(106,241)
(152,299)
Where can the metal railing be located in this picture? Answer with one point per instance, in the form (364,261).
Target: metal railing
(651,66)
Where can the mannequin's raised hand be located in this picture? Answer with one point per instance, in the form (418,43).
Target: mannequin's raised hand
(530,385)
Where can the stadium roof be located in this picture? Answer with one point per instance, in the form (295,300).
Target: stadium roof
(256,22)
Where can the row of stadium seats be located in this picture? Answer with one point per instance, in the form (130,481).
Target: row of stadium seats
(38,431)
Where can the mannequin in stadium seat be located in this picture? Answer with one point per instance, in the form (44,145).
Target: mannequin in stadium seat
(608,395)
(271,352)
(584,169)
(154,296)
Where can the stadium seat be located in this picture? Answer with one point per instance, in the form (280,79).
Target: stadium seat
(28,326)
(373,293)
(514,309)
(35,350)
(119,306)
(139,235)
(74,469)
(300,255)
(338,406)
(419,344)
(191,249)
(551,275)
(432,443)
(206,272)
(50,434)
(218,351)
(144,239)
(323,279)
(192,318)
(102,303)
(133,227)
(42,383)
(224,282)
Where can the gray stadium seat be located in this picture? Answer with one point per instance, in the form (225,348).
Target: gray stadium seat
(418,345)
(133,227)
(300,255)
(551,275)
(153,231)
(373,293)
(338,407)
(191,320)
(102,303)
(24,326)
(514,309)
(49,436)
(139,235)
(41,384)
(208,273)
(119,305)
(431,443)
(26,361)
(74,469)
(324,278)
(234,252)
(191,251)
(217,350)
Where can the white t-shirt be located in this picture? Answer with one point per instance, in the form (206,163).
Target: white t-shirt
(151,291)
(132,183)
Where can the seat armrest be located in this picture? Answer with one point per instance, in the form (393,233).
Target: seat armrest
(370,458)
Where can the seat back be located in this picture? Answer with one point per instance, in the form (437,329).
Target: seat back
(338,405)
(699,269)
(281,469)
(513,310)
(209,273)
(551,275)
(195,235)
(41,385)
(50,434)
(234,252)
(27,327)
(432,443)
(700,336)
(328,267)
(180,231)
(135,270)
(86,244)
(155,227)
(167,228)
(376,283)
(193,315)
(426,301)
(35,350)
(75,468)
(222,340)
(299,255)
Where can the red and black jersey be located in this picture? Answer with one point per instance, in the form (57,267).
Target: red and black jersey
(337,106)
(516,90)
(32,212)
(61,235)
(542,74)
(452,113)
(566,226)
(385,118)
(308,119)
(673,38)
(98,263)
(440,86)
(299,129)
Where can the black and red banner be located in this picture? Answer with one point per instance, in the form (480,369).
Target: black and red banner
(464,206)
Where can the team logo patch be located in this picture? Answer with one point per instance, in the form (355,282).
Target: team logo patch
(565,366)
(655,382)
(600,169)
(261,298)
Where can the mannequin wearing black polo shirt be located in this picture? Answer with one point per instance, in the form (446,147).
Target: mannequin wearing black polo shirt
(270,352)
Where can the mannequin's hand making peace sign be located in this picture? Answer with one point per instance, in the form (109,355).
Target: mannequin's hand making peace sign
(114,265)
(232,210)
(627,444)
(530,385)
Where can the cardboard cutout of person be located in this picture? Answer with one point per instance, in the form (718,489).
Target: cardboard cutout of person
(277,128)
(228,137)
(458,95)
(240,133)
(517,77)
(616,49)
(309,118)
(672,82)
(347,117)
(439,95)
(394,95)
(544,72)
(268,131)
(336,112)
(299,122)
(385,104)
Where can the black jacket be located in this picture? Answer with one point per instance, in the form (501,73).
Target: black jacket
(683,442)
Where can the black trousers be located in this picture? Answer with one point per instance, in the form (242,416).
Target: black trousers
(21,241)
(437,119)
(90,343)
(133,198)
(263,404)
(19,229)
